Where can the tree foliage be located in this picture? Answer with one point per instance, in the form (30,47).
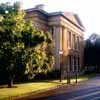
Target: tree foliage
(23,48)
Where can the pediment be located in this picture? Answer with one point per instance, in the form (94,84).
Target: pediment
(74,18)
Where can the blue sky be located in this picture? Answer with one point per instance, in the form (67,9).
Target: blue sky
(88,10)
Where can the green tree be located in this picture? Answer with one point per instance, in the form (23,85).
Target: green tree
(22,46)
(8,8)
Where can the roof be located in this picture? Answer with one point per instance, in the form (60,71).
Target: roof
(71,17)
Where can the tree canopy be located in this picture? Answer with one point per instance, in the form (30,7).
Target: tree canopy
(23,48)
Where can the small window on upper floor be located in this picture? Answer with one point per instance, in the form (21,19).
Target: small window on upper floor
(51,30)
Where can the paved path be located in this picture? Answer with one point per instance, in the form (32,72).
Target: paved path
(88,90)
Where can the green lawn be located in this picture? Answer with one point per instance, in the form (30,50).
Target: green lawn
(25,88)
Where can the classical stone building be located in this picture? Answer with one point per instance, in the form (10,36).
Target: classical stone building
(67,32)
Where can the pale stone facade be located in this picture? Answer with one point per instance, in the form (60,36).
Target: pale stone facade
(67,32)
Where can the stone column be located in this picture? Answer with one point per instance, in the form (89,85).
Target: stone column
(64,40)
(71,40)
(65,50)
(58,46)
(68,70)
(71,65)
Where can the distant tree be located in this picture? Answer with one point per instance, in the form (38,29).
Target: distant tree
(92,51)
(89,53)
(22,47)
(8,8)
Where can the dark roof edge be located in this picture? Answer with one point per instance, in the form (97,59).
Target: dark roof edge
(40,10)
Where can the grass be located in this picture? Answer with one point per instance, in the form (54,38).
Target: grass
(25,88)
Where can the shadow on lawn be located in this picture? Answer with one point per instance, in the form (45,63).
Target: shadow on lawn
(7,87)
(39,81)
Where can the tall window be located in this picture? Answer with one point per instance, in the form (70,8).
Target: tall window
(78,43)
(52,32)
(69,39)
(73,41)
(78,63)
(70,63)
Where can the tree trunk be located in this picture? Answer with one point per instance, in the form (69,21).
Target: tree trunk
(10,82)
